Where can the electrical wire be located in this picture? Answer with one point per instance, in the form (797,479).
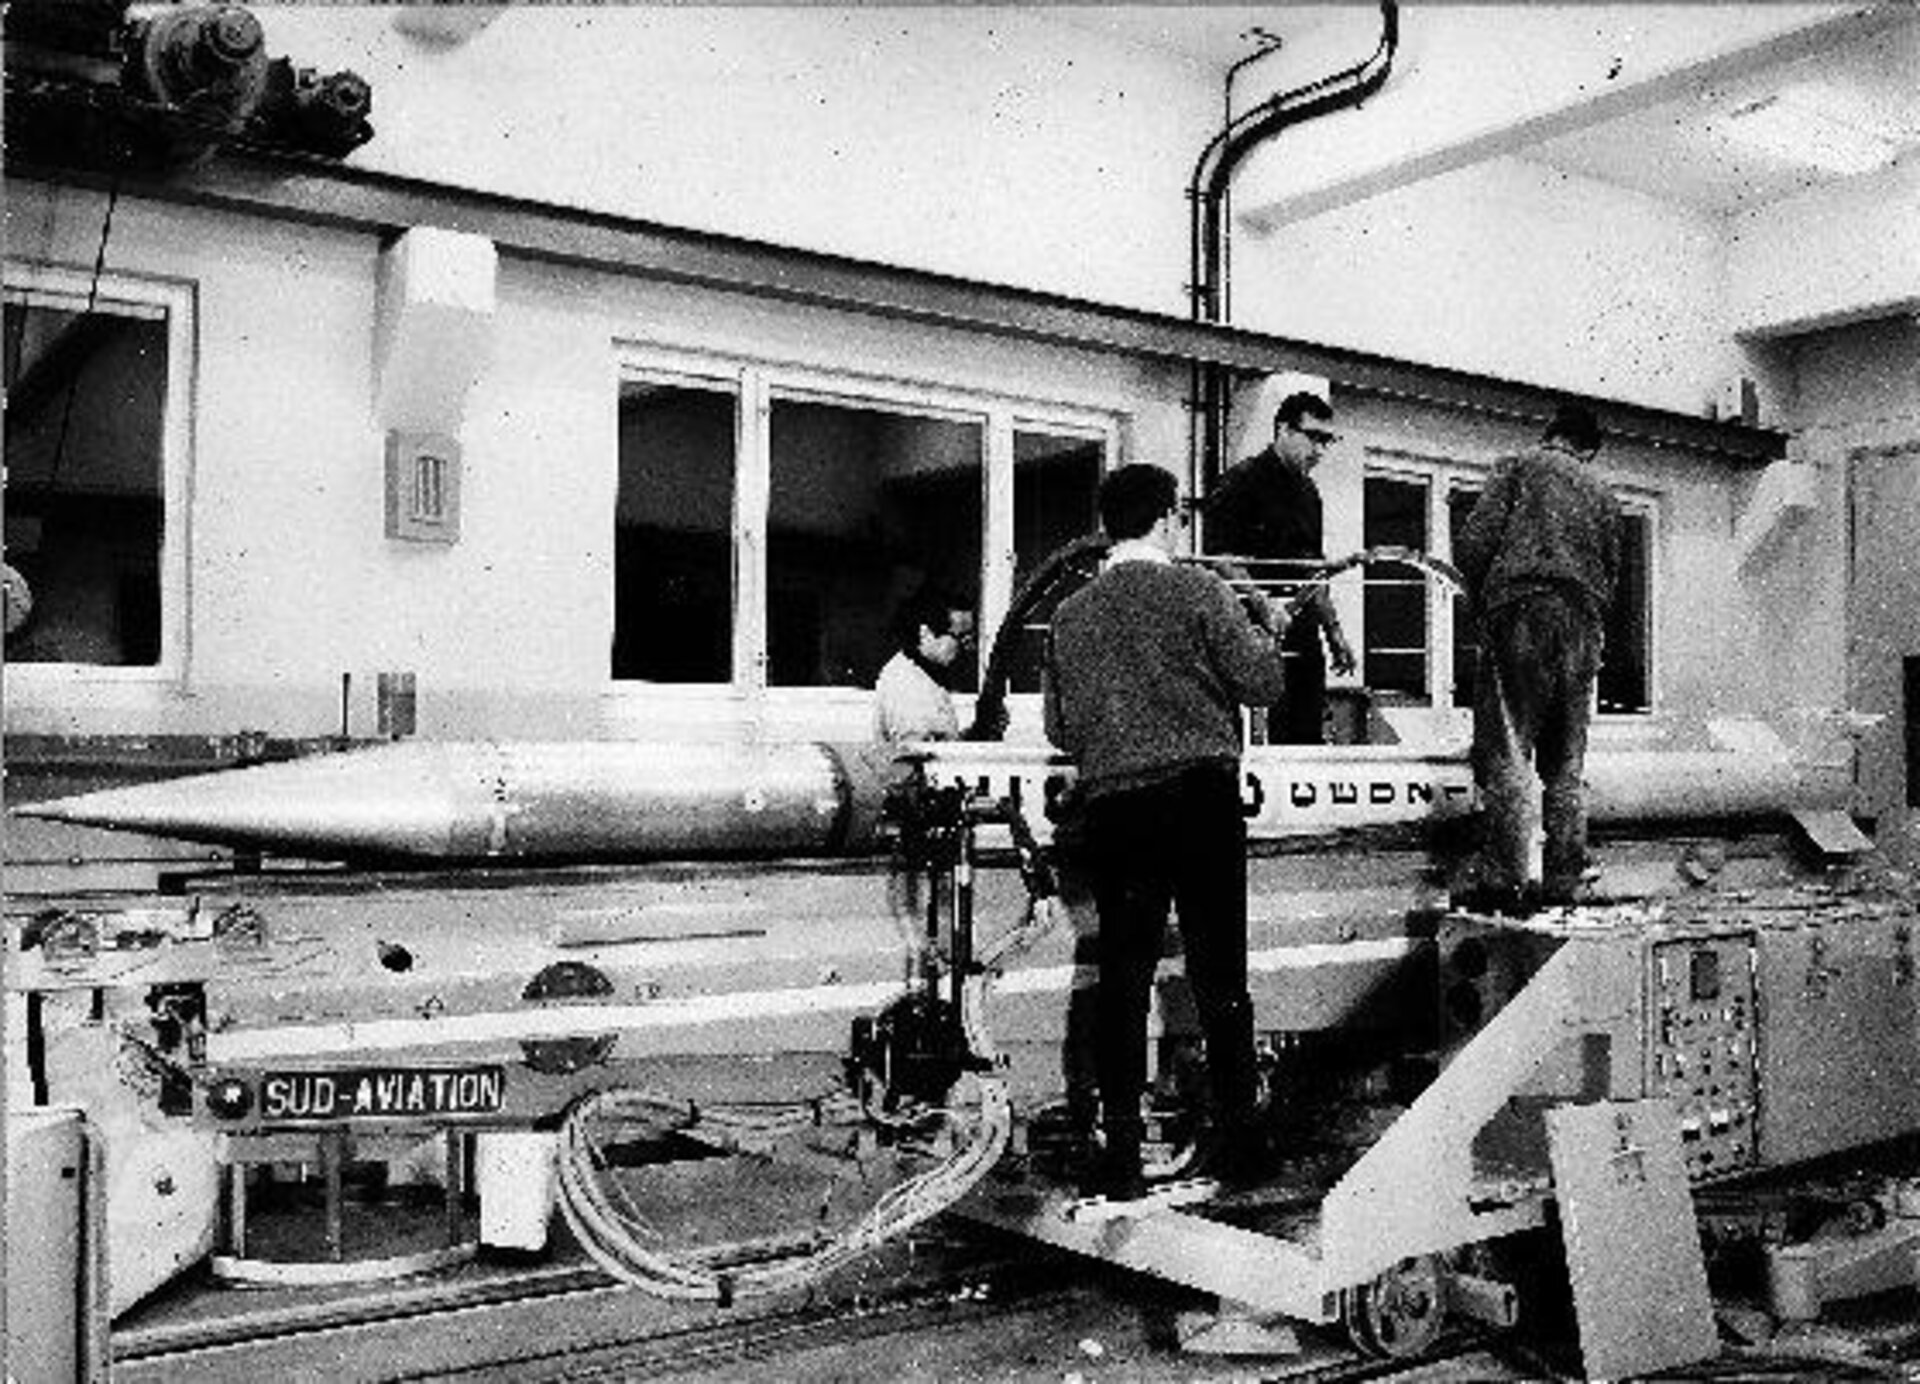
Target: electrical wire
(93,301)
(617,1235)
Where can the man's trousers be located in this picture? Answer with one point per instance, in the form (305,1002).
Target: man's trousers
(1182,842)
(1539,658)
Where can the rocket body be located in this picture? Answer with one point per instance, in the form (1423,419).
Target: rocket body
(629,801)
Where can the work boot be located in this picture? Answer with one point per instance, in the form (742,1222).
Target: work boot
(1489,901)
(1234,1147)
(1563,889)
(1062,1139)
(1238,1156)
(1114,1171)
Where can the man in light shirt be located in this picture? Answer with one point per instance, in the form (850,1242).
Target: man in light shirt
(911,700)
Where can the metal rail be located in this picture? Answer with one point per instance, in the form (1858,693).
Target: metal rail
(573,1323)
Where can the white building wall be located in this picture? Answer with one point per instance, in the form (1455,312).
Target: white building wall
(1857,413)
(1505,269)
(1014,145)
(979,141)
(292,579)
(1006,152)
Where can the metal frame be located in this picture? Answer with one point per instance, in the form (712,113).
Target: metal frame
(1413,1193)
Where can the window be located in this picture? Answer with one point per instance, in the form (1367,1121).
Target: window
(1466,645)
(1626,682)
(96,377)
(865,506)
(1056,482)
(673,532)
(1394,601)
(1408,622)
(771,521)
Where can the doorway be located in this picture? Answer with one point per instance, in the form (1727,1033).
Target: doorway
(1883,638)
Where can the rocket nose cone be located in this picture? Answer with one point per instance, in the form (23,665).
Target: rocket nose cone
(394,800)
(77,810)
(124,809)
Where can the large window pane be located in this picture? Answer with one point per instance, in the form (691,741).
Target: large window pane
(1466,640)
(1624,682)
(673,534)
(866,506)
(85,451)
(1056,481)
(1395,594)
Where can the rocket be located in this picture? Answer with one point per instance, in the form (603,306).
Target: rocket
(565,801)
(531,803)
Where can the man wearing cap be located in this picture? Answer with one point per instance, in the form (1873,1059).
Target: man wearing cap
(1268,506)
(1541,556)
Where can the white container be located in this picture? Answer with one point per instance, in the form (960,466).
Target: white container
(516,1175)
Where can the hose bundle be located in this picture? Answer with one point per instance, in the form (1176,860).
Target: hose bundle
(617,1235)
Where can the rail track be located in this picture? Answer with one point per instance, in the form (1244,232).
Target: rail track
(956,1304)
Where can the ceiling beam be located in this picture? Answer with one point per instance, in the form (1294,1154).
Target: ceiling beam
(1416,129)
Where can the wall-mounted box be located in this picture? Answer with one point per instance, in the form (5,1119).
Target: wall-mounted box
(433,327)
(423,487)
(1785,497)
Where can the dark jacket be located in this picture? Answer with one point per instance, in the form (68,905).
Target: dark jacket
(1544,521)
(1147,668)
(1264,507)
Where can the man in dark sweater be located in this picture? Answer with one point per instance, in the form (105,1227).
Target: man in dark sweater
(1541,556)
(1268,506)
(1147,668)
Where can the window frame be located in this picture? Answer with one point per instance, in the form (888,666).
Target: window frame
(1443,475)
(175,302)
(757,383)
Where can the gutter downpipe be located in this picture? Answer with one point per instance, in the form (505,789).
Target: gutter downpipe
(1206,197)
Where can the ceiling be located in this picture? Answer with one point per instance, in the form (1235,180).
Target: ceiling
(1675,149)
(1671,149)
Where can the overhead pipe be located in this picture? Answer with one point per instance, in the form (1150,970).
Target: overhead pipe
(1207,196)
(1267,45)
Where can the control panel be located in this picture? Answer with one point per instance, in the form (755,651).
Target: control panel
(1701,1046)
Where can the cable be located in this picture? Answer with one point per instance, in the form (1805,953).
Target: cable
(617,1235)
(93,299)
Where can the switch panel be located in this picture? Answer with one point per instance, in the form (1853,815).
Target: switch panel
(1701,1051)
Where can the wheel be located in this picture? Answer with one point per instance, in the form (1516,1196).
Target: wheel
(1399,1315)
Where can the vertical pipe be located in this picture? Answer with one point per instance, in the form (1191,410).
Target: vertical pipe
(1207,194)
(332,1155)
(235,1175)
(960,945)
(452,1182)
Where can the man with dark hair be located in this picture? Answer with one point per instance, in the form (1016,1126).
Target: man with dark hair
(1268,506)
(1541,556)
(911,700)
(1147,668)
